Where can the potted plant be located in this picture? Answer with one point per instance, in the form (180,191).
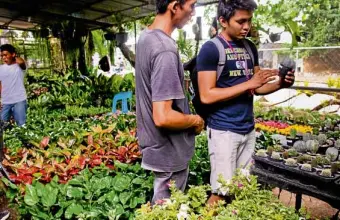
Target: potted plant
(312,146)
(276,156)
(291,162)
(292,137)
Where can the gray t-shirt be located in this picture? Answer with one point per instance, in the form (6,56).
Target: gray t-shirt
(160,77)
(12,81)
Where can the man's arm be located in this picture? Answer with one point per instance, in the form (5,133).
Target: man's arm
(21,63)
(273,87)
(209,93)
(166,117)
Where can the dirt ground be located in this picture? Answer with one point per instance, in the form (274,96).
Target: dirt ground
(317,208)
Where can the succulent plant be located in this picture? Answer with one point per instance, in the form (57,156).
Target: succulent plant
(322,138)
(261,153)
(306,167)
(335,167)
(304,158)
(276,156)
(312,146)
(292,152)
(307,136)
(314,163)
(270,150)
(326,173)
(337,144)
(291,162)
(332,153)
(285,155)
(300,146)
(277,148)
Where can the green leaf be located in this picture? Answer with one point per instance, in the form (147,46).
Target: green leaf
(138,181)
(75,182)
(73,209)
(124,197)
(59,213)
(49,196)
(74,192)
(122,183)
(39,188)
(31,196)
(133,202)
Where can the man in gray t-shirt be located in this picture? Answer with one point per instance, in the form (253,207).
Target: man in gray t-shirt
(165,127)
(13,93)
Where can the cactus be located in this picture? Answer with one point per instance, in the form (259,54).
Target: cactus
(306,167)
(335,167)
(304,158)
(261,153)
(291,162)
(285,155)
(337,144)
(322,138)
(306,136)
(314,163)
(277,148)
(270,150)
(276,156)
(326,173)
(312,146)
(292,152)
(300,146)
(332,153)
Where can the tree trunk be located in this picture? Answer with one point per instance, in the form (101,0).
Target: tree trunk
(57,56)
(127,53)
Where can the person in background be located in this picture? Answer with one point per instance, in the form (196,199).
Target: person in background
(231,134)
(13,93)
(165,128)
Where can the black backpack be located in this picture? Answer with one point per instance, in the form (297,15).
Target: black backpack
(201,109)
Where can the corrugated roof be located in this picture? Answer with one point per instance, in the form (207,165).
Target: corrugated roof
(93,14)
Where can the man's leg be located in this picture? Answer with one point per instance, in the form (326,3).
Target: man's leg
(246,150)
(6,112)
(223,147)
(162,180)
(19,112)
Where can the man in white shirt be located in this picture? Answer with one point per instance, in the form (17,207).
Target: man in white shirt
(13,93)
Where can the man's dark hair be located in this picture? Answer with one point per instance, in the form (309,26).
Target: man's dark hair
(162,5)
(227,8)
(7,47)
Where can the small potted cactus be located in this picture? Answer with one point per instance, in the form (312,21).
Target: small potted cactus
(276,156)
(312,146)
(300,146)
(261,153)
(322,138)
(291,162)
(270,150)
(307,136)
(326,173)
(306,167)
(285,155)
(292,152)
(332,154)
(337,144)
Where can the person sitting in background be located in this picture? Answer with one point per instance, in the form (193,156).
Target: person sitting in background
(13,93)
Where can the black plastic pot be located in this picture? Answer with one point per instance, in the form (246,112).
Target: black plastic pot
(291,141)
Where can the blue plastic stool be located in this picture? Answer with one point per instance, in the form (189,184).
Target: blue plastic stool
(124,96)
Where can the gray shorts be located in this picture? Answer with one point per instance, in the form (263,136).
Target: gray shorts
(162,180)
(228,151)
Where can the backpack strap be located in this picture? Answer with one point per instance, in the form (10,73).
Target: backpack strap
(222,56)
(249,50)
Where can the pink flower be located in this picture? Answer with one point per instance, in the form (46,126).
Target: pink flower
(234,212)
(240,185)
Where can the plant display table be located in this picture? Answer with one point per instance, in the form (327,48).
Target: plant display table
(295,180)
